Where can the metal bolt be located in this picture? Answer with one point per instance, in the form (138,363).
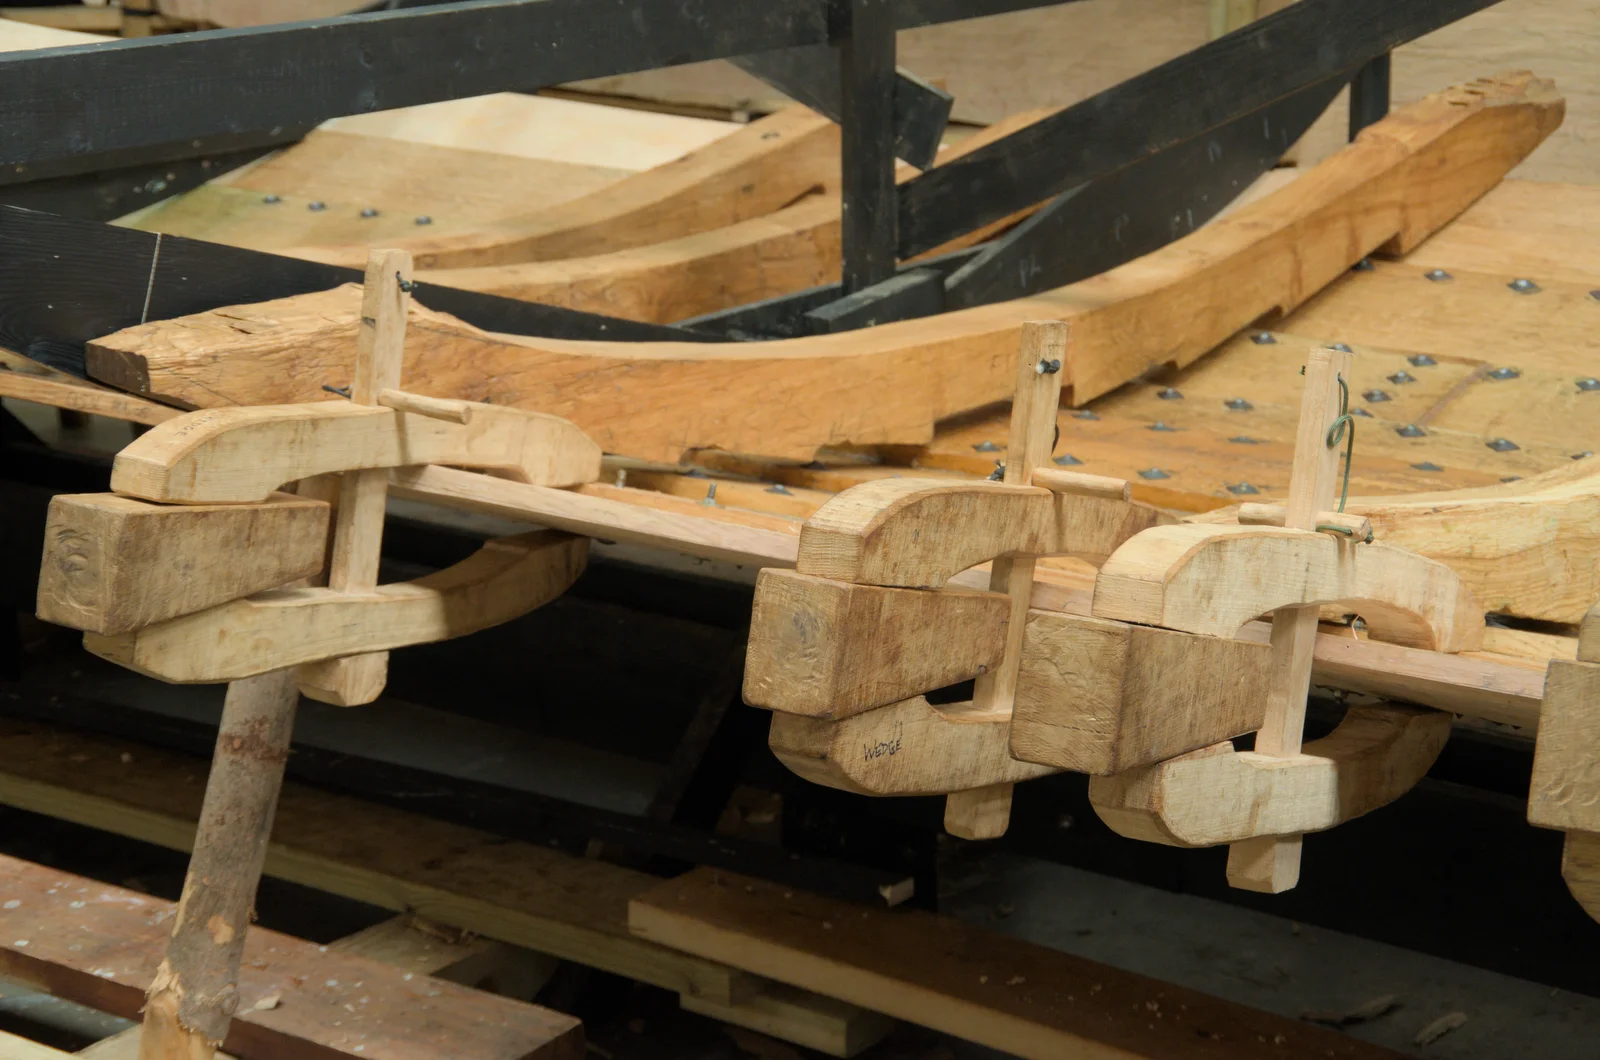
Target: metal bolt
(1338,347)
(1085,414)
(1437,275)
(1421,360)
(1264,338)
(1524,286)
(316,206)
(424,219)
(342,391)
(1411,430)
(1503,445)
(1427,465)
(271,199)
(1586,454)
(1167,393)
(1364,265)
(1360,412)
(1068,460)
(1503,373)
(1243,489)
(986,447)
(711,495)
(1374,396)
(1238,405)
(368,211)
(1402,377)
(1244,439)
(1589,383)
(1159,426)
(1153,473)
(1595,295)
(1047,367)
(780,489)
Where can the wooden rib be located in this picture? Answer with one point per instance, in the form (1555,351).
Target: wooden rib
(1219,795)
(920,532)
(66,392)
(113,564)
(1403,179)
(1170,576)
(831,649)
(243,454)
(505,579)
(909,748)
(753,170)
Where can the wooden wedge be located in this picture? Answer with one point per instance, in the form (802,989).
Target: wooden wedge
(505,579)
(1403,178)
(113,564)
(1219,795)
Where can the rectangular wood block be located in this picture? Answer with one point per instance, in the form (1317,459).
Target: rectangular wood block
(99,945)
(1565,792)
(113,564)
(827,648)
(1099,697)
(988,988)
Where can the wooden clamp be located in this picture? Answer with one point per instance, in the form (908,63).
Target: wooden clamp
(1565,792)
(1213,580)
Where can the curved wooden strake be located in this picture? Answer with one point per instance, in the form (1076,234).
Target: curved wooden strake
(244,454)
(503,580)
(1213,579)
(919,533)
(909,748)
(1218,795)
(1399,182)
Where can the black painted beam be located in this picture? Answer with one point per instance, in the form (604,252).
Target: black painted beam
(910,294)
(811,76)
(866,35)
(1302,45)
(1369,94)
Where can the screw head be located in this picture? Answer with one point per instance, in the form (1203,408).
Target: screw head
(1264,338)
(1167,393)
(369,212)
(1421,360)
(986,447)
(1524,286)
(1411,430)
(1153,473)
(1586,454)
(1358,411)
(1510,478)
(1068,460)
(1401,377)
(780,489)
(271,199)
(1085,414)
(1364,265)
(316,206)
(1589,383)
(1438,275)
(1238,404)
(1338,347)
(1503,373)
(1047,367)
(1160,426)
(1503,445)
(1427,465)
(424,219)
(1243,489)
(1374,396)
(1244,439)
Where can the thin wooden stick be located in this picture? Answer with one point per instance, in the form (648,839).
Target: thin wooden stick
(191,1001)
(984,813)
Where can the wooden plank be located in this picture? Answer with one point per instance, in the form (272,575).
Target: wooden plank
(941,973)
(244,454)
(503,580)
(99,945)
(113,564)
(16,1047)
(831,649)
(1219,795)
(1171,306)
(1168,576)
(231,13)
(81,396)
(1522,227)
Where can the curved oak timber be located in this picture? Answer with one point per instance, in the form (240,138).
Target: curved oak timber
(909,748)
(243,454)
(1219,795)
(503,580)
(1214,579)
(1399,182)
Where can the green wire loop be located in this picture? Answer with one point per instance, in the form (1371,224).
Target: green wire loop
(1344,430)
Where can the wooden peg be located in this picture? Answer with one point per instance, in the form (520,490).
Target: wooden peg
(1345,524)
(447,409)
(1272,865)
(358,530)
(985,813)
